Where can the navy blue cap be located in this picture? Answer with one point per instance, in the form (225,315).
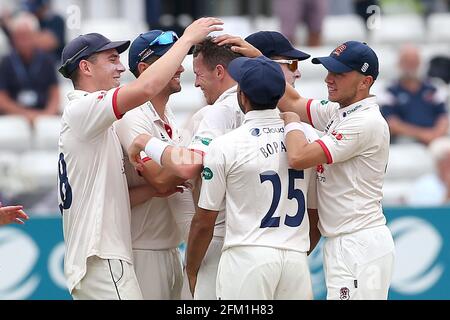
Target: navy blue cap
(145,46)
(351,56)
(84,46)
(261,79)
(272,43)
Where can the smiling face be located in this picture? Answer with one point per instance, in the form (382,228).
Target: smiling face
(106,69)
(206,79)
(346,88)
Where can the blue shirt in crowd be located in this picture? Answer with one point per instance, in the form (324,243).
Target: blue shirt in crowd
(421,108)
(28,84)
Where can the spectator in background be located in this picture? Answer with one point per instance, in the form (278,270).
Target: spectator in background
(434,189)
(52,34)
(175,15)
(310,12)
(414,108)
(28,83)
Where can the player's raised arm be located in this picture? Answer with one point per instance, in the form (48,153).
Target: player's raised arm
(156,77)
(292,101)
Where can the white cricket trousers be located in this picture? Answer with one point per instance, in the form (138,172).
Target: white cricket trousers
(205,289)
(359,265)
(159,273)
(263,273)
(108,279)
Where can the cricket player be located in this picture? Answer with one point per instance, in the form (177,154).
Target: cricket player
(352,157)
(277,47)
(221,115)
(267,226)
(93,191)
(154,230)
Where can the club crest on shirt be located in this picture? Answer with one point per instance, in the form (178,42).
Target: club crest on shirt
(320,169)
(337,135)
(344,293)
(101,95)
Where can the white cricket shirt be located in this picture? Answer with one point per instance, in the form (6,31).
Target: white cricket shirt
(356,143)
(265,200)
(153,224)
(213,121)
(92,188)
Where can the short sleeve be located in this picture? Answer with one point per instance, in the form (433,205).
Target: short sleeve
(320,112)
(344,142)
(130,126)
(216,122)
(92,114)
(212,193)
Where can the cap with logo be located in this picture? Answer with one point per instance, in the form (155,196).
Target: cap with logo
(272,43)
(261,79)
(84,46)
(351,56)
(151,43)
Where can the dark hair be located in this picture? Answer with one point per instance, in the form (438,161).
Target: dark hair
(259,106)
(213,54)
(74,76)
(148,61)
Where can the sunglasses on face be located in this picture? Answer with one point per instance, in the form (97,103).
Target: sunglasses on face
(291,64)
(165,38)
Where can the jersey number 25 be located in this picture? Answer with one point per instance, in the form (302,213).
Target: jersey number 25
(292,221)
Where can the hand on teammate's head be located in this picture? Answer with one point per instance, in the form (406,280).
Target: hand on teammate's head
(238,45)
(200,28)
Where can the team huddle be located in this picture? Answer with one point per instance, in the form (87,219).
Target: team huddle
(250,185)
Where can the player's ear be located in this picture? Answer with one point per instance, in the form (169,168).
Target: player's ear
(84,67)
(220,71)
(366,83)
(142,66)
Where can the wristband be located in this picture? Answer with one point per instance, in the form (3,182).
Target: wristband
(293,126)
(155,148)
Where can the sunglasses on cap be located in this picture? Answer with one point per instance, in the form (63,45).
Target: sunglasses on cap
(165,38)
(292,64)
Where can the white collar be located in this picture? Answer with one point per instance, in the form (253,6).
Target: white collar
(262,114)
(226,94)
(76,94)
(370,101)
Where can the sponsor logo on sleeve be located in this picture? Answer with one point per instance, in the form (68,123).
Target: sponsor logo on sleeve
(207,173)
(205,141)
